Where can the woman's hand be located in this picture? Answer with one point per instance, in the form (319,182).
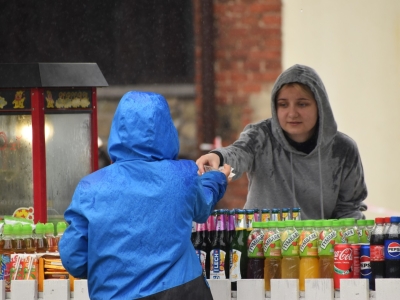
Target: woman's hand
(210,159)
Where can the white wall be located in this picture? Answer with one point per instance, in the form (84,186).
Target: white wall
(354,45)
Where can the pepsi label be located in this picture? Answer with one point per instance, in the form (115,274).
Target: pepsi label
(392,249)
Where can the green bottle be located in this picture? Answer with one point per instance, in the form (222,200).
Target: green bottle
(362,232)
(337,226)
(238,251)
(351,231)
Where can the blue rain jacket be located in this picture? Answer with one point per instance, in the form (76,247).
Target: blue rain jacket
(130,223)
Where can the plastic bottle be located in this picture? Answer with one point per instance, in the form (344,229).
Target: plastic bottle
(5,253)
(362,231)
(202,247)
(27,236)
(39,238)
(290,251)
(265,215)
(296,214)
(18,241)
(219,255)
(255,252)
(238,250)
(326,243)
(351,231)
(392,249)
(61,226)
(368,228)
(386,225)
(285,214)
(377,253)
(272,253)
(308,247)
(51,239)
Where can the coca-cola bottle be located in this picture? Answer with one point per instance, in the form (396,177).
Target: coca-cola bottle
(377,253)
(202,246)
(392,249)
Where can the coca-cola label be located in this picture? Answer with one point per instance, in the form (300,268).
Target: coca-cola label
(344,255)
(377,252)
(392,249)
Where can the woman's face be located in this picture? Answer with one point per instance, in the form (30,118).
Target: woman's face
(297,112)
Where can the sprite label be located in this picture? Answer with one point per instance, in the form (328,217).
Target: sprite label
(289,240)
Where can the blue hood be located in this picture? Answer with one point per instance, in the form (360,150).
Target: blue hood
(142,128)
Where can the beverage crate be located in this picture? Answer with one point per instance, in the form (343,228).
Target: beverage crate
(281,289)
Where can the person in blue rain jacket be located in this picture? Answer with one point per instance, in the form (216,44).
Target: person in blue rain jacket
(130,222)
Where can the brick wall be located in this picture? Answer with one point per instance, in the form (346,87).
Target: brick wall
(247,59)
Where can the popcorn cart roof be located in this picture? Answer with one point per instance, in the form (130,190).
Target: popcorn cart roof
(51,75)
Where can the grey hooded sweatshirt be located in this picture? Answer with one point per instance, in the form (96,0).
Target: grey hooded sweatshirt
(327,183)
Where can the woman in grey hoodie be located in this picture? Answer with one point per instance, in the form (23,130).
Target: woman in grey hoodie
(297,158)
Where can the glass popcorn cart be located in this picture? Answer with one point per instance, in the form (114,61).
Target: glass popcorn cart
(48,136)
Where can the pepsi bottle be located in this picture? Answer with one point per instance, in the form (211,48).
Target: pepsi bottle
(392,249)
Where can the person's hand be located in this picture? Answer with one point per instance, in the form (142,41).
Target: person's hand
(210,159)
(227,171)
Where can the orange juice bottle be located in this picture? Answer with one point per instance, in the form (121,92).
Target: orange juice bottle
(50,238)
(39,239)
(27,236)
(326,243)
(309,264)
(5,255)
(290,250)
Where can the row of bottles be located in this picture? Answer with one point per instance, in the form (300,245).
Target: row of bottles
(385,248)
(20,238)
(239,248)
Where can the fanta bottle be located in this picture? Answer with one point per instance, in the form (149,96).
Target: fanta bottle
(308,243)
(272,253)
(290,250)
(326,243)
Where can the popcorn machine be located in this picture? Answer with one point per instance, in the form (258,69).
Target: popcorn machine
(48,135)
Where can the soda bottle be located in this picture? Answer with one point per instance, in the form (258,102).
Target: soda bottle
(309,262)
(377,253)
(51,239)
(238,252)
(27,236)
(272,253)
(265,215)
(202,246)
(326,243)
(290,251)
(368,228)
(386,225)
(40,241)
(231,225)
(255,252)
(18,242)
(5,253)
(351,231)
(219,255)
(61,226)
(211,228)
(392,249)
(362,231)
